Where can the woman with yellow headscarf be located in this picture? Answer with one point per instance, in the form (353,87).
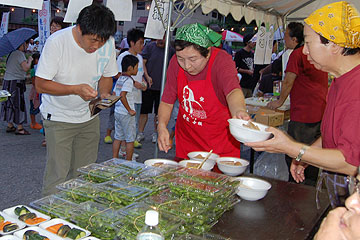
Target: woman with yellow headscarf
(332,44)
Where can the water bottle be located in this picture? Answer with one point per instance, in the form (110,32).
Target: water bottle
(150,230)
(276,88)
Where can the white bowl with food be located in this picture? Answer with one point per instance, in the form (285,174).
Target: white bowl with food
(252,189)
(207,166)
(158,162)
(247,131)
(200,155)
(232,166)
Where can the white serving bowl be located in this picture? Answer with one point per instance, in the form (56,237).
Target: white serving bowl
(207,166)
(193,156)
(252,189)
(232,170)
(245,134)
(151,162)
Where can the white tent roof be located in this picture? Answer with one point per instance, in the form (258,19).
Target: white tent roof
(268,11)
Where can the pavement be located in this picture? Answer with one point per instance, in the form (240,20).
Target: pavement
(23,159)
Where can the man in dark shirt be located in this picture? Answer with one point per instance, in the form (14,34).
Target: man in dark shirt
(244,60)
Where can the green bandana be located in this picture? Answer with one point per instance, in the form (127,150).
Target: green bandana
(198,34)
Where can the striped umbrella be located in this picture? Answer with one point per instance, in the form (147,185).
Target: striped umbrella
(12,40)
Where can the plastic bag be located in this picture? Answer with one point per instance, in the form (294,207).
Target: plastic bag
(272,165)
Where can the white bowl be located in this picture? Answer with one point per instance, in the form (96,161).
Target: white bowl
(195,156)
(152,162)
(245,134)
(232,170)
(252,189)
(207,166)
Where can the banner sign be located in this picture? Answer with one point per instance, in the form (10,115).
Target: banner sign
(35,4)
(122,9)
(264,46)
(74,8)
(157,19)
(4,23)
(44,24)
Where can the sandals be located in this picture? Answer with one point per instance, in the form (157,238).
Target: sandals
(10,129)
(22,132)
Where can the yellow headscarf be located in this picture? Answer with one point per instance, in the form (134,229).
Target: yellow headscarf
(338,22)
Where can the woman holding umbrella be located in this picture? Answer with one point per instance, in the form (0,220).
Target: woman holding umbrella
(13,111)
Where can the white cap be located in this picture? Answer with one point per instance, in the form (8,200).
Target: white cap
(151,218)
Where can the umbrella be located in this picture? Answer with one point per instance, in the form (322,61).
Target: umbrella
(12,40)
(231,36)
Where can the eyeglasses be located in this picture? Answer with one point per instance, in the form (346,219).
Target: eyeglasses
(353,185)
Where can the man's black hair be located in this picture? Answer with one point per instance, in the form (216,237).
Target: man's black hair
(59,21)
(134,35)
(345,52)
(35,56)
(247,38)
(97,20)
(181,44)
(128,61)
(296,30)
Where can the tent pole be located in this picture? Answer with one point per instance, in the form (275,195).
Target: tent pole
(166,57)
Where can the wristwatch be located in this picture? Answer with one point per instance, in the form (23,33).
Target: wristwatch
(301,153)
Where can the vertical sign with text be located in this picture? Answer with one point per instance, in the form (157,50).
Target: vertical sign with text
(4,24)
(44,23)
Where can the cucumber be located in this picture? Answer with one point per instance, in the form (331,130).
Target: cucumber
(2,219)
(26,216)
(21,211)
(75,234)
(63,231)
(10,227)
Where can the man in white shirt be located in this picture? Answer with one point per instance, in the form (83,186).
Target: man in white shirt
(76,66)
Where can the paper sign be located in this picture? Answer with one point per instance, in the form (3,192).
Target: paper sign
(34,4)
(269,47)
(264,46)
(259,55)
(74,8)
(122,9)
(44,24)
(157,19)
(4,24)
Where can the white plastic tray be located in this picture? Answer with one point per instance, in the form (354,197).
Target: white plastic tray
(10,212)
(9,237)
(57,221)
(41,231)
(13,220)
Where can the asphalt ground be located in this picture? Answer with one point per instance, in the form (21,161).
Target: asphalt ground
(23,159)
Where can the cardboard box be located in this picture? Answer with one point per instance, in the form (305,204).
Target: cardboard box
(269,117)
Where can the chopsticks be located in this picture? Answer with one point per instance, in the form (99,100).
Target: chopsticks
(206,158)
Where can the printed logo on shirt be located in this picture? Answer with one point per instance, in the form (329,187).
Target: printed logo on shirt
(195,113)
(104,54)
(249,63)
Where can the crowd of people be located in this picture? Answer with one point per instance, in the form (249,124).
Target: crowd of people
(322,130)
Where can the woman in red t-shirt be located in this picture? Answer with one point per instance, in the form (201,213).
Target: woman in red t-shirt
(204,80)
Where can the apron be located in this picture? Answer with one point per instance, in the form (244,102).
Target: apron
(202,120)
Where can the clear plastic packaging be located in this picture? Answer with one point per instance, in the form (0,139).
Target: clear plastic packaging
(133,221)
(54,206)
(99,173)
(96,218)
(203,176)
(120,193)
(79,190)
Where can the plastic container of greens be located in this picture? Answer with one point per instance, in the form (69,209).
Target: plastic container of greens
(133,220)
(99,173)
(205,236)
(79,190)
(54,206)
(203,176)
(199,191)
(120,194)
(96,218)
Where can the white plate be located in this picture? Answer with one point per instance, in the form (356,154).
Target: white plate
(41,231)
(9,237)
(151,162)
(57,221)
(10,212)
(13,220)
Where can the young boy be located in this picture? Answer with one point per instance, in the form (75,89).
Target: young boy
(125,126)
